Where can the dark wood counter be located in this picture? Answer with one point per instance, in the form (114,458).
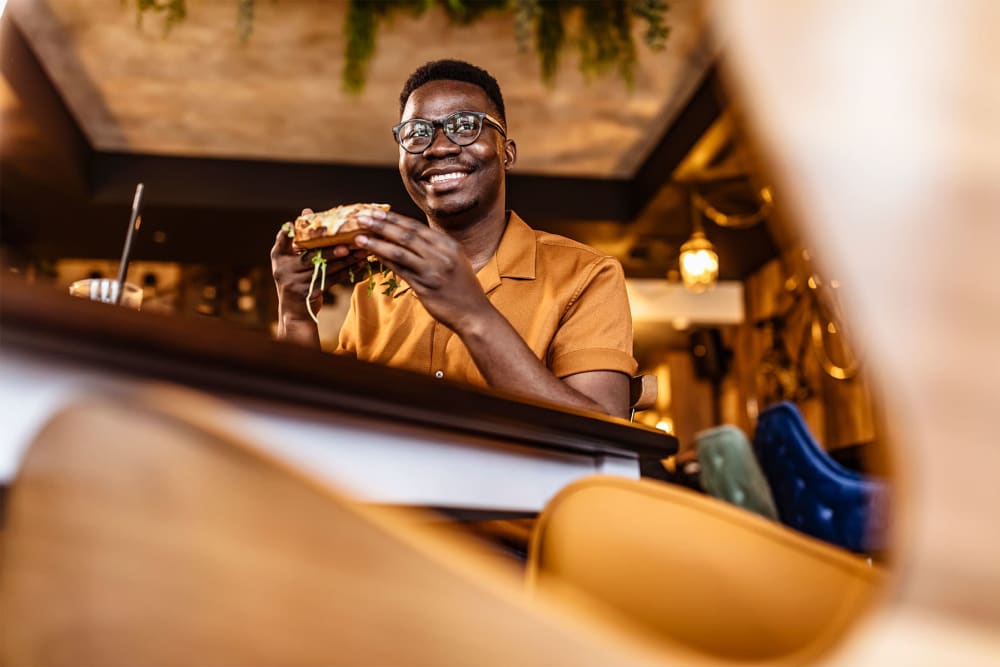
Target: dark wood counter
(217,356)
(348,409)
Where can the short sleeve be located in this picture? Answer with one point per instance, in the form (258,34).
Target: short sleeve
(595,332)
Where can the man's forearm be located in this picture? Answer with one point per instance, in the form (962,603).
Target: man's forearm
(508,364)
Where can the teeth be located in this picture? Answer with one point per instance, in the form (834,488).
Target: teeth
(442,178)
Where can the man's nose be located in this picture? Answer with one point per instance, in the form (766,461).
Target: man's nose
(441,145)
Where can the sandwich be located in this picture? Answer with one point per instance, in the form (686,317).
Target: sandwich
(336,226)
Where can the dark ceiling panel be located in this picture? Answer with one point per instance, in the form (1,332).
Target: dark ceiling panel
(704,107)
(68,154)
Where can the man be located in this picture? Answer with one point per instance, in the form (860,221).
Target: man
(484,299)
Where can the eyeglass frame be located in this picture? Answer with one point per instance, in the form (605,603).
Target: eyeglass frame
(439,123)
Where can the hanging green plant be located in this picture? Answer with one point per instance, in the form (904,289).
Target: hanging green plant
(363,18)
(602,35)
(173,11)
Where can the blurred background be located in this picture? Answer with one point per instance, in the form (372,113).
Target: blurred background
(237,114)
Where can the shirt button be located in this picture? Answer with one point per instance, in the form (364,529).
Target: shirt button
(439,374)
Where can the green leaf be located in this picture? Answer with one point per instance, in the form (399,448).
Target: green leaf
(244,19)
(549,37)
(390,286)
(359,24)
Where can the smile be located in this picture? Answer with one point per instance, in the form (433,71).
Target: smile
(447,178)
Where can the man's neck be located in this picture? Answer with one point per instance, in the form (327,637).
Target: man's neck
(479,239)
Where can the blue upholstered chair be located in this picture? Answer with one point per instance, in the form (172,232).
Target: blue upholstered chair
(814,493)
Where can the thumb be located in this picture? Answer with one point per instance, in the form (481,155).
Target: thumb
(283,242)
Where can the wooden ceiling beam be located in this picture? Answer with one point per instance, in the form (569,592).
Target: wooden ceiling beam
(697,116)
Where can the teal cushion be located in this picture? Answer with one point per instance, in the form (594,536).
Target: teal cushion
(729,470)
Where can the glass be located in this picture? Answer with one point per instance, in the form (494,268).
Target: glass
(461,128)
(105,290)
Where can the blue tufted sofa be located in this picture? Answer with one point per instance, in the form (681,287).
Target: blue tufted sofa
(814,493)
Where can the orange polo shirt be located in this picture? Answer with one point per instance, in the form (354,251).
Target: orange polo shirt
(565,299)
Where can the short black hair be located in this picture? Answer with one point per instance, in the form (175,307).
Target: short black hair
(454,70)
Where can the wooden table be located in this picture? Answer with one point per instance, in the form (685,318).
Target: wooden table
(382,434)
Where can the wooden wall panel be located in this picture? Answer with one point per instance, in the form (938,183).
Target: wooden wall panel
(691,398)
(840,413)
(781,304)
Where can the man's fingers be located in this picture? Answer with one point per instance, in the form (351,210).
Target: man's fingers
(351,270)
(432,247)
(389,252)
(399,229)
(283,244)
(401,272)
(337,252)
(283,239)
(394,220)
(344,262)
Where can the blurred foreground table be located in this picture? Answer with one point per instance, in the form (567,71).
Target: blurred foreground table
(381,434)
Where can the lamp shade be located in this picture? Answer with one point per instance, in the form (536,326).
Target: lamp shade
(699,263)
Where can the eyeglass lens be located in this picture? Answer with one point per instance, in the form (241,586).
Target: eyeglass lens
(461,127)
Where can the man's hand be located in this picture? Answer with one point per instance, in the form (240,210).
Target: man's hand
(292,269)
(432,262)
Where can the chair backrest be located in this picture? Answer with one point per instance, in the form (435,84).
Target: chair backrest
(687,569)
(729,470)
(642,393)
(138,532)
(814,493)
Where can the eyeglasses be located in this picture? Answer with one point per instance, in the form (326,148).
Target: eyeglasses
(461,128)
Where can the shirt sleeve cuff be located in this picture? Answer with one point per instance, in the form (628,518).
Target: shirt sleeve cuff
(597,359)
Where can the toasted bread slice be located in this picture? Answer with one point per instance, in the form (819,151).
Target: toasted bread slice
(336,226)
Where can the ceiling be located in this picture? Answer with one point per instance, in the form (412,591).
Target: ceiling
(231,139)
(199,92)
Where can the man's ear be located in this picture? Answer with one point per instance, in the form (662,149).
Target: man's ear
(509,154)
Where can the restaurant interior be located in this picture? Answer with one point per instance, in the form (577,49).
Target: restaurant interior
(805,223)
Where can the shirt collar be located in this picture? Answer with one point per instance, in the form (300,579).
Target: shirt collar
(514,258)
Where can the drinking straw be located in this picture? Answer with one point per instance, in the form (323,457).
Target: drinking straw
(133,224)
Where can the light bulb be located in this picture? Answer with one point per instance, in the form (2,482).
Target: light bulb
(699,263)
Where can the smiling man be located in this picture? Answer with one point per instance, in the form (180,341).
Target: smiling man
(484,299)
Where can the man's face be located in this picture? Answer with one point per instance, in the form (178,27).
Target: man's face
(447,180)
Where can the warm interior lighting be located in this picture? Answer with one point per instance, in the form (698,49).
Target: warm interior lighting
(699,263)
(666,425)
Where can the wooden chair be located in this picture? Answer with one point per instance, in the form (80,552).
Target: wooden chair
(642,393)
(689,570)
(138,532)
(513,534)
